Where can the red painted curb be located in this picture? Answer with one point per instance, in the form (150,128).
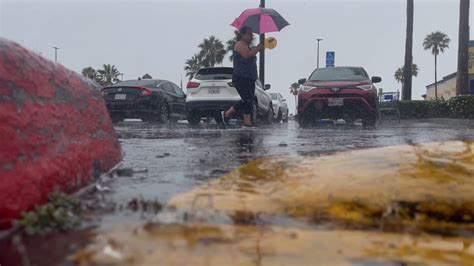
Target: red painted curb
(55,132)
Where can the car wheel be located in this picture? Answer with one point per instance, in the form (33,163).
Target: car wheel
(116,118)
(286,118)
(194,118)
(164,115)
(279,117)
(254,113)
(269,118)
(304,120)
(369,122)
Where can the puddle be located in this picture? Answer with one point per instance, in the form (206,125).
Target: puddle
(387,206)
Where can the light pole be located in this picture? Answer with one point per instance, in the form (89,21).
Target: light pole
(56,53)
(319,39)
(262,53)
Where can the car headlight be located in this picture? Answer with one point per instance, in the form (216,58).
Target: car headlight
(308,88)
(366,87)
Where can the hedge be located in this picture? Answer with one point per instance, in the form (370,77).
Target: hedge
(460,107)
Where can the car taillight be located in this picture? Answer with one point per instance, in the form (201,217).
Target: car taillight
(192,85)
(146,92)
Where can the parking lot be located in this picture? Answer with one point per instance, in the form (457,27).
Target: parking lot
(177,158)
(163,161)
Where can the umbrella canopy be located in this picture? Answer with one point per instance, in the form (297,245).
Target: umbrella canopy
(261,20)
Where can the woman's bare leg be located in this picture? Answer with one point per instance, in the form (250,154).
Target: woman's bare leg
(229,112)
(247,120)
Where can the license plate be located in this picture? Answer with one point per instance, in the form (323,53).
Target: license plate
(335,102)
(214,91)
(120,96)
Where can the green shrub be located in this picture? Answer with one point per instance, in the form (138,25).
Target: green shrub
(59,214)
(460,107)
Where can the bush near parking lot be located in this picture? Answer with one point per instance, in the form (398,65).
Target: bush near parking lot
(460,107)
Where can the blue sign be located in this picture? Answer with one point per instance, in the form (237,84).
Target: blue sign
(330,59)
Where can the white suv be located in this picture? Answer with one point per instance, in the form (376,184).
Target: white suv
(280,108)
(211,91)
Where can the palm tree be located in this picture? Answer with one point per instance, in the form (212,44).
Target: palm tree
(462,83)
(147,76)
(230,45)
(294,89)
(90,73)
(212,51)
(108,75)
(407,75)
(399,73)
(437,42)
(193,65)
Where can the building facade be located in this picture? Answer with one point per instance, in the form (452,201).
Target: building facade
(447,86)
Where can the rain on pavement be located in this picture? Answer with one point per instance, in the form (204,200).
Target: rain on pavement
(164,162)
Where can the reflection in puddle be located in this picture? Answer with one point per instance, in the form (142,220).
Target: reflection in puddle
(408,204)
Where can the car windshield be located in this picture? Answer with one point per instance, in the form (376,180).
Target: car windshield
(274,96)
(216,73)
(339,73)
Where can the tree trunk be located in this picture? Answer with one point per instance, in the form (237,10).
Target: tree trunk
(436,77)
(407,69)
(296,104)
(462,83)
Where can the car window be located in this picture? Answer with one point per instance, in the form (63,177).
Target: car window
(339,73)
(259,83)
(177,90)
(166,87)
(274,96)
(215,73)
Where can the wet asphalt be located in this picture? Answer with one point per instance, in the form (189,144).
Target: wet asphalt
(171,159)
(161,161)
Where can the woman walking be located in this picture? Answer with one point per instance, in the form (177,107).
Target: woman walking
(244,76)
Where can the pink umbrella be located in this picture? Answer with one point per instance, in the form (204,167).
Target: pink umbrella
(260,20)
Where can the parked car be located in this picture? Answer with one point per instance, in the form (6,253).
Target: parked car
(280,108)
(211,91)
(151,100)
(338,93)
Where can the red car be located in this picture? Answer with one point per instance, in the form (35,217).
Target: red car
(338,93)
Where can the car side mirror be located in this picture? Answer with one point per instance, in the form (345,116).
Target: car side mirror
(376,79)
(267,87)
(301,81)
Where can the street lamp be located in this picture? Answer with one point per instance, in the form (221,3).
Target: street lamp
(319,39)
(56,53)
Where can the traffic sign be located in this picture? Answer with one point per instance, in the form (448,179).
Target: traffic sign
(330,59)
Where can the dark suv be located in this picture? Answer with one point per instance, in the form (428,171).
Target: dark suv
(338,93)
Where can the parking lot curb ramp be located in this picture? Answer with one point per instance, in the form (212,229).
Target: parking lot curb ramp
(55,132)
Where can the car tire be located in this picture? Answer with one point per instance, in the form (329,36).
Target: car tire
(194,118)
(286,119)
(279,117)
(164,114)
(254,117)
(116,119)
(269,119)
(369,122)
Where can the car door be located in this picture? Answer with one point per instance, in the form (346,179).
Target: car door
(169,96)
(180,105)
(261,97)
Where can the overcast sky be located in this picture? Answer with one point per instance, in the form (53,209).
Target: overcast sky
(157,36)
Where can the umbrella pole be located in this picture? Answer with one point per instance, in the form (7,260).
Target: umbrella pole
(262,53)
